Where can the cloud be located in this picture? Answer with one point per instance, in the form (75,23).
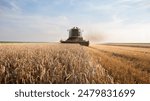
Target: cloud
(50,28)
(117,31)
(101,20)
(9,6)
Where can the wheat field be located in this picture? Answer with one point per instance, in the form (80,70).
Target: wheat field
(54,63)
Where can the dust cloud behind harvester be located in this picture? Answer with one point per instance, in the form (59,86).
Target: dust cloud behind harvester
(95,37)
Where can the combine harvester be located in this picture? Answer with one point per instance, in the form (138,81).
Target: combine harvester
(75,37)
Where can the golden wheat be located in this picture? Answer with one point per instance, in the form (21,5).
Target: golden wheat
(72,63)
(49,63)
(125,64)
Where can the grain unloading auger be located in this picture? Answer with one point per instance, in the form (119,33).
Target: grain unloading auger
(75,37)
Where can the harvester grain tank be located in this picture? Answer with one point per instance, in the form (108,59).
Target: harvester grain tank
(75,37)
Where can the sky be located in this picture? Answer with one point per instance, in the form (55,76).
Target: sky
(123,21)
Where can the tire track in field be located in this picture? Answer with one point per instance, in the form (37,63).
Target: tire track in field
(144,50)
(116,54)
